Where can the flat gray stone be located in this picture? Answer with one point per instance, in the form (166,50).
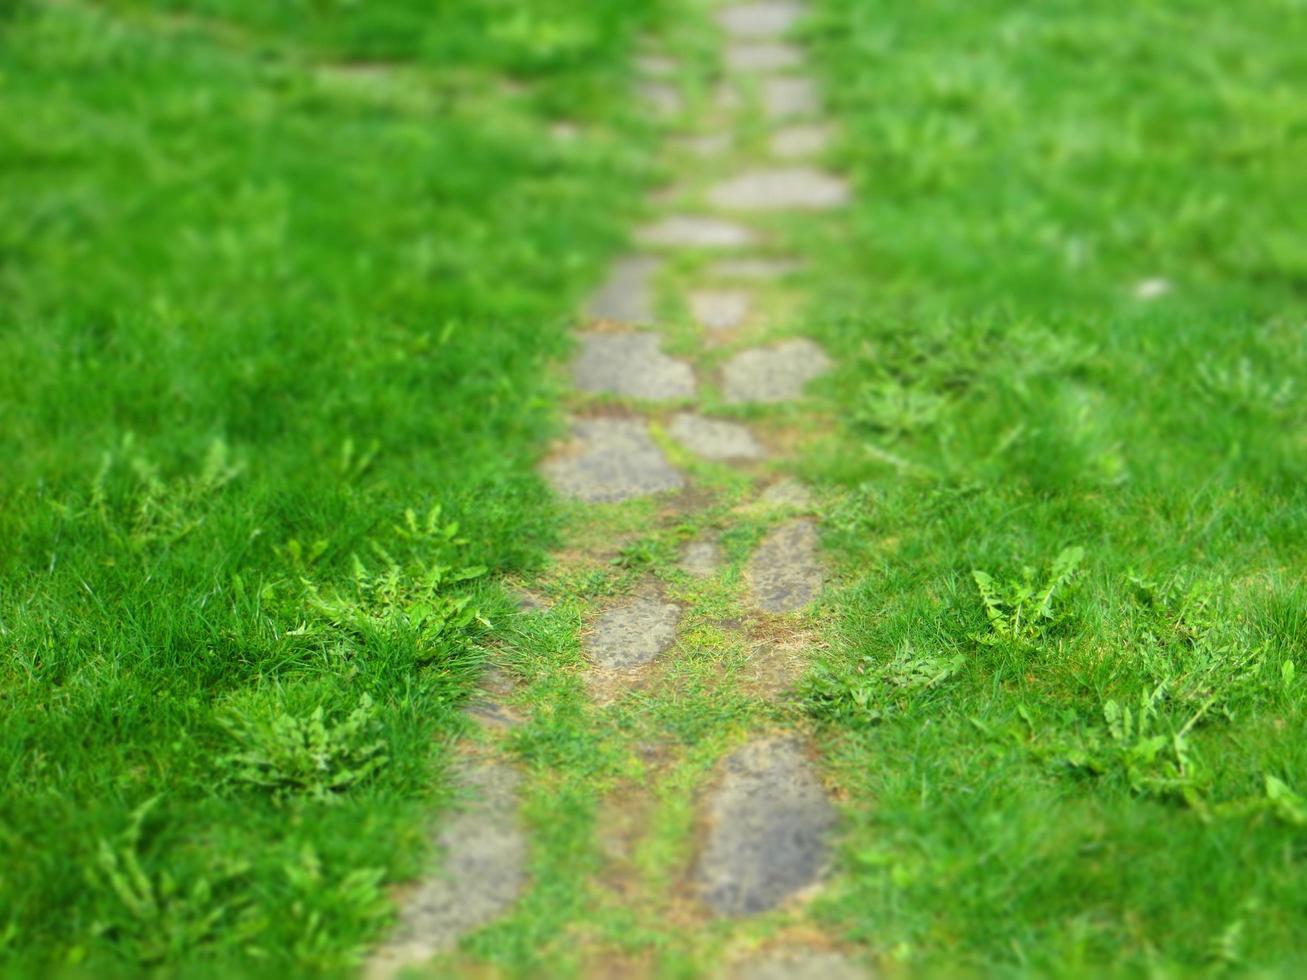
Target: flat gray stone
(787,493)
(719,309)
(714,439)
(631,365)
(773,374)
(763,19)
(799,964)
(656,65)
(708,144)
(762,56)
(754,270)
(611,460)
(784,574)
(789,98)
(779,190)
(482,872)
(693,231)
(801,141)
(626,296)
(701,558)
(769,824)
(662,99)
(632,634)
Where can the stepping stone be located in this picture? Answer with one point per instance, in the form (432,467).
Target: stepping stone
(707,145)
(483,870)
(564,131)
(779,190)
(714,438)
(773,374)
(611,460)
(664,100)
(798,142)
(754,270)
(719,309)
(802,964)
(762,57)
(786,98)
(690,231)
(632,634)
(765,19)
(655,65)
(631,365)
(784,574)
(787,493)
(769,824)
(701,558)
(627,294)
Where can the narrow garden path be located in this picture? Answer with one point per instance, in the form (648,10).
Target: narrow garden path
(689,396)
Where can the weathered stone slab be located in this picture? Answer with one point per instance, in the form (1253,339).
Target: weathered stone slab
(691,231)
(708,144)
(754,270)
(719,309)
(763,19)
(482,872)
(787,493)
(800,141)
(627,294)
(701,558)
(779,190)
(784,574)
(611,460)
(769,824)
(632,634)
(789,98)
(799,964)
(655,65)
(762,56)
(773,374)
(714,439)
(631,365)
(662,99)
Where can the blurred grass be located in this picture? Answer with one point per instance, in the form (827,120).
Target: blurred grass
(1069,311)
(270,274)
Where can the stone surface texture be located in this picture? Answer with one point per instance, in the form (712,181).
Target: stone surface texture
(663,99)
(714,439)
(693,231)
(784,574)
(611,460)
(797,188)
(482,871)
(708,144)
(701,558)
(800,141)
(799,964)
(633,633)
(773,374)
(769,820)
(762,19)
(789,98)
(762,56)
(626,296)
(632,365)
(719,309)
(753,270)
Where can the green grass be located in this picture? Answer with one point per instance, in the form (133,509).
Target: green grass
(1008,394)
(258,302)
(280,283)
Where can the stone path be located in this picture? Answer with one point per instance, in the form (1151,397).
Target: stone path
(650,412)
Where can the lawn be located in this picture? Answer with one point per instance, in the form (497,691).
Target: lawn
(284,288)
(265,291)
(1065,686)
